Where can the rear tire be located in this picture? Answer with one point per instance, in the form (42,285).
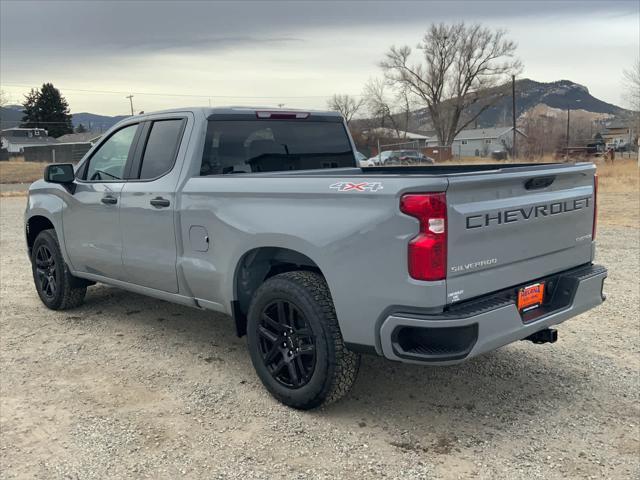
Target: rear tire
(295,342)
(57,288)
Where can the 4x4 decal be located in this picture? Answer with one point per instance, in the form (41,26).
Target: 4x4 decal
(357,187)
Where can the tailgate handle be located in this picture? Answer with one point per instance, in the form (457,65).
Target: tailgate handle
(538,182)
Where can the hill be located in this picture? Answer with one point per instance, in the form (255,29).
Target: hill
(11,115)
(530,94)
(95,122)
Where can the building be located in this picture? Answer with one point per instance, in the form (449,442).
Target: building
(618,137)
(85,137)
(480,142)
(14,140)
(59,152)
(399,134)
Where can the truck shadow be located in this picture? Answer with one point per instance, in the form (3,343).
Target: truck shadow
(496,392)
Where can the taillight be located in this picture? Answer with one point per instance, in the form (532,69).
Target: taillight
(428,250)
(595,206)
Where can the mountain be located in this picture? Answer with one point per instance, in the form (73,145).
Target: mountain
(560,95)
(95,122)
(11,115)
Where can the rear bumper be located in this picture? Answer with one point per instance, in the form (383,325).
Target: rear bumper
(487,323)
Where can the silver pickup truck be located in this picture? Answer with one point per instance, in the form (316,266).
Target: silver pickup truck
(264,215)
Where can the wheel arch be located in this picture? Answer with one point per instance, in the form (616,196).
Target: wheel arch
(258,265)
(34,225)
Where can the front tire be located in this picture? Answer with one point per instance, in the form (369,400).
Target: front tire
(295,342)
(57,288)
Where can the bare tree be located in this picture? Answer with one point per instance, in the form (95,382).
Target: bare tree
(346,104)
(392,109)
(461,65)
(631,80)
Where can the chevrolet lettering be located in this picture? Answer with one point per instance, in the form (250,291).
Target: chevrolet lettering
(519,214)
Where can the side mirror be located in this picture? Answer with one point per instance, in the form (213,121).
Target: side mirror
(59,173)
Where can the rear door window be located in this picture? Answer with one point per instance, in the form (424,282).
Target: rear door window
(161,148)
(246,146)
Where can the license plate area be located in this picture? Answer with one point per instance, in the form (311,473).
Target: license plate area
(531,297)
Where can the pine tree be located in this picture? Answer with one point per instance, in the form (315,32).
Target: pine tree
(47,109)
(81,128)
(31,118)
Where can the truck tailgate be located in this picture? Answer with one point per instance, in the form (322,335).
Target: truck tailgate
(510,227)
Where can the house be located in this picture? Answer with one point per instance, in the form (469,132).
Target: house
(481,142)
(85,137)
(392,133)
(618,137)
(14,140)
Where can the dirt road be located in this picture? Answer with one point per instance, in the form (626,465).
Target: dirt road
(127,386)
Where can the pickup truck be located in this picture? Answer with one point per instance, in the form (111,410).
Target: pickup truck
(265,216)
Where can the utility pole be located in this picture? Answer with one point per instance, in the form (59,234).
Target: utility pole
(568,121)
(513,114)
(130,97)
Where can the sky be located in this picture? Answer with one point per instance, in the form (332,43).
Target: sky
(296,53)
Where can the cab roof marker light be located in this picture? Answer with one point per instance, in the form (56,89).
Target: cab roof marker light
(282,115)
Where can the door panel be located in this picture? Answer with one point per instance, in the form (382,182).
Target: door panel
(92,230)
(148,235)
(91,220)
(147,212)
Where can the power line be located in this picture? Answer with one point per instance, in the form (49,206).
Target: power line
(159,94)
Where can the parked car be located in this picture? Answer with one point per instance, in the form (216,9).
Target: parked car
(412,157)
(263,216)
(402,157)
(381,158)
(362,159)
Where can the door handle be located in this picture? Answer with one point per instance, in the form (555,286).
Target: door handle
(109,200)
(160,202)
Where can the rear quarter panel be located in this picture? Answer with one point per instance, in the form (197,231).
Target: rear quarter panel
(358,239)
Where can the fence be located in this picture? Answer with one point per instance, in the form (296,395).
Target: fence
(56,153)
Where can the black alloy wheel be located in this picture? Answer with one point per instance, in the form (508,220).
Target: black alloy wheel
(46,272)
(287,344)
(295,341)
(56,287)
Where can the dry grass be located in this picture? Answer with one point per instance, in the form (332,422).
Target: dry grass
(16,171)
(619,177)
(22,193)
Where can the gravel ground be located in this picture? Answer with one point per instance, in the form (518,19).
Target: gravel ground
(127,386)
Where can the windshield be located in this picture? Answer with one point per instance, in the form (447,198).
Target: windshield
(244,146)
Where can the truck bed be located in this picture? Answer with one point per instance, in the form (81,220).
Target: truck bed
(426,170)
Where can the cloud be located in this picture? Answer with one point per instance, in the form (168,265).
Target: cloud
(291,48)
(207,42)
(79,28)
